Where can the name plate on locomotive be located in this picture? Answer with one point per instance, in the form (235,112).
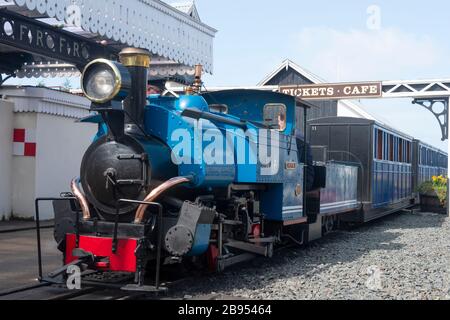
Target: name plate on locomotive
(334,91)
(290,165)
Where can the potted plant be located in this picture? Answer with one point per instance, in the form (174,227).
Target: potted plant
(433,195)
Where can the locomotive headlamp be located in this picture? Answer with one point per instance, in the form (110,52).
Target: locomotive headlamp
(104,80)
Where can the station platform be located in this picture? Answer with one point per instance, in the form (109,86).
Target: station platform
(22,225)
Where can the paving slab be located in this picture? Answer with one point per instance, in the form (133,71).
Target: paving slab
(21,225)
(18,252)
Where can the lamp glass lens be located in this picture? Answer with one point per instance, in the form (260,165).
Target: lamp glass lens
(100,82)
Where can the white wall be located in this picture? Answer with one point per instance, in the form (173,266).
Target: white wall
(6,133)
(61,143)
(345,111)
(23,173)
(352,109)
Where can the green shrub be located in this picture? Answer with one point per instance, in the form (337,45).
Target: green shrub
(436,187)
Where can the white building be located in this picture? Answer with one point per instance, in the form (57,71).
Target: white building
(41,146)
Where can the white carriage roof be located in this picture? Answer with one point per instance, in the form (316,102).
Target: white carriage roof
(174,34)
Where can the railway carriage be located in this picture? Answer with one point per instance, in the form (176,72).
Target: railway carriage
(428,161)
(384,157)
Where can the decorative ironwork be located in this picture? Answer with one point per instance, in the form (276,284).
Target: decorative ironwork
(416,88)
(150,24)
(3,80)
(28,35)
(440,112)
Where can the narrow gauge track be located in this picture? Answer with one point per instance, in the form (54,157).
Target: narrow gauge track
(53,293)
(92,289)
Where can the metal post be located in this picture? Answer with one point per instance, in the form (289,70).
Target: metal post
(38,238)
(77,226)
(448,159)
(305,155)
(159,245)
(38,229)
(219,238)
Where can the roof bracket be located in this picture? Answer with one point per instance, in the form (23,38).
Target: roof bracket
(441,113)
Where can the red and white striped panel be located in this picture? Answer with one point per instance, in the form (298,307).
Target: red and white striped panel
(24,142)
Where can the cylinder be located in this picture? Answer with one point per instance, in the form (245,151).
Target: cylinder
(137,61)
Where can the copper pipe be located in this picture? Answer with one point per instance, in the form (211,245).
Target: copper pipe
(169,184)
(196,87)
(75,186)
(198,79)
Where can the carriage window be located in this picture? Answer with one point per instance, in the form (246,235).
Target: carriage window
(391,148)
(379,145)
(386,147)
(218,108)
(401,158)
(408,152)
(275,116)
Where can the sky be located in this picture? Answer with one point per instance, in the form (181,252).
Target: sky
(346,40)
(339,41)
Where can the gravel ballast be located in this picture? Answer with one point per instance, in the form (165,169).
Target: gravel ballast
(403,256)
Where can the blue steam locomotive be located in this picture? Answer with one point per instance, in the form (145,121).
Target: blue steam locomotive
(207,179)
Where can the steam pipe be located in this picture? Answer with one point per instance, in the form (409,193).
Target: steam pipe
(75,187)
(152,196)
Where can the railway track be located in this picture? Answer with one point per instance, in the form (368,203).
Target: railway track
(59,292)
(53,293)
(94,287)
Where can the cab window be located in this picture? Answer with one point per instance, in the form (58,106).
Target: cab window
(275,116)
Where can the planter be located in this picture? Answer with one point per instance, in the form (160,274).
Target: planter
(431,203)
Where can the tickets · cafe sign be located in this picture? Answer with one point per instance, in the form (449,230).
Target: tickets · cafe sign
(334,91)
